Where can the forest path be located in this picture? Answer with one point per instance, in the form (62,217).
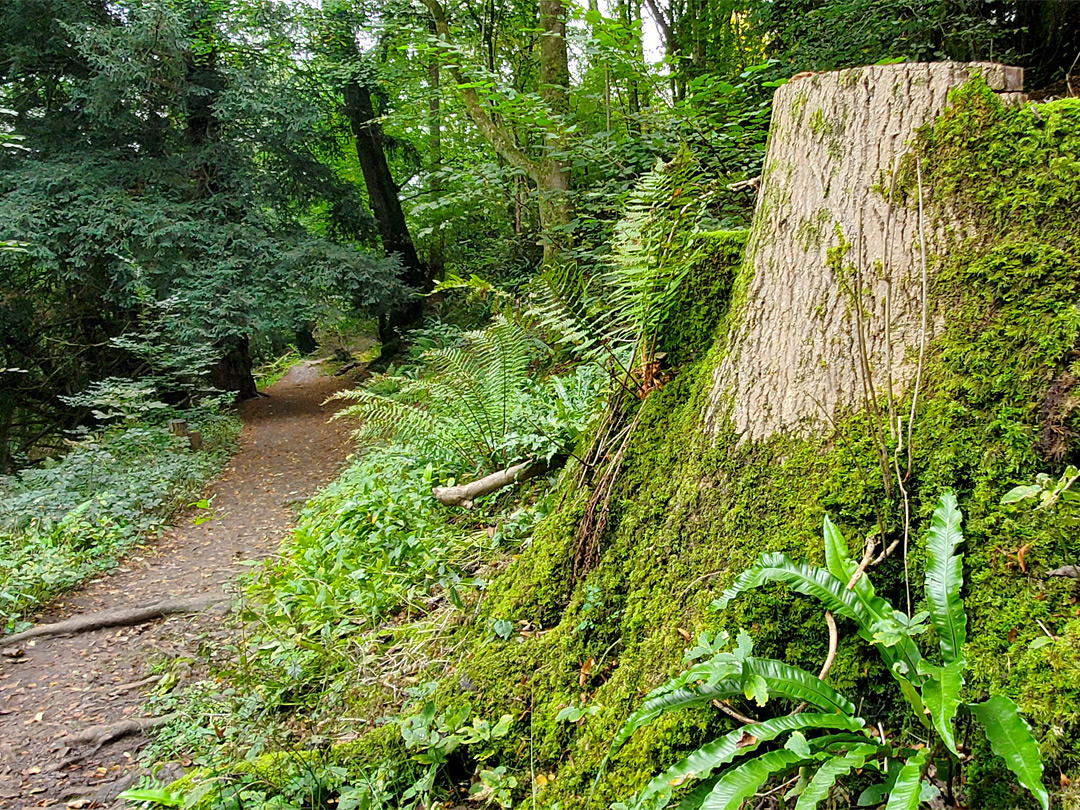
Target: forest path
(54,686)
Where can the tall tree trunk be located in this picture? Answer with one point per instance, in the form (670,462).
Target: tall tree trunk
(382,190)
(551,172)
(436,252)
(553,179)
(385,204)
(835,312)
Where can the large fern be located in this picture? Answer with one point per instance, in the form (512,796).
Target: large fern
(467,398)
(475,405)
(618,314)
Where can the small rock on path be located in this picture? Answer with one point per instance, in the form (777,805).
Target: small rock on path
(61,685)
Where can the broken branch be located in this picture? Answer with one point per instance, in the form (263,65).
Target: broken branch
(466,494)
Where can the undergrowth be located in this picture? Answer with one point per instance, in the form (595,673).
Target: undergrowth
(74,516)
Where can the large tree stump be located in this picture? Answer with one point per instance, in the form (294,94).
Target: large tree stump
(795,357)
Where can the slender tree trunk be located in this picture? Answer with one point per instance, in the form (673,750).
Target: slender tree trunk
(436,252)
(553,179)
(551,172)
(382,190)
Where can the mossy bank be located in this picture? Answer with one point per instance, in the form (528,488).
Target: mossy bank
(690,511)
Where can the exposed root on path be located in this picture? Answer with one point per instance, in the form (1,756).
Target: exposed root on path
(99,736)
(116,618)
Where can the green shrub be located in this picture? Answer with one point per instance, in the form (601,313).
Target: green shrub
(72,517)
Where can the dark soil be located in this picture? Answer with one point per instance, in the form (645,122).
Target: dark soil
(51,687)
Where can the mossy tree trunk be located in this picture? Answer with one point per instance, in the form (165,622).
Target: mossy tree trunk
(834,315)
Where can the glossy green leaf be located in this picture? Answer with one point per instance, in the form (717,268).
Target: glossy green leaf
(944,578)
(683,698)
(908,788)
(803,578)
(703,762)
(914,699)
(743,781)
(798,684)
(837,556)
(1010,738)
(941,694)
(1020,493)
(830,771)
(862,604)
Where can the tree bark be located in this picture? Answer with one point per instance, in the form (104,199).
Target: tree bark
(233,372)
(122,617)
(835,312)
(436,252)
(381,188)
(553,181)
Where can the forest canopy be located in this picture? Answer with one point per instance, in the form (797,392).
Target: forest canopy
(186,185)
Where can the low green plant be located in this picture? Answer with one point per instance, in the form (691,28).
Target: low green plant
(373,542)
(831,741)
(435,736)
(471,402)
(1048,491)
(73,516)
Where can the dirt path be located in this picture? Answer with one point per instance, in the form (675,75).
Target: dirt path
(52,687)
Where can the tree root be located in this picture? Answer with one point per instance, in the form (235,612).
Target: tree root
(116,618)
(99,736)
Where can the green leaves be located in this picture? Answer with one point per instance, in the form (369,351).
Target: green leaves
(744,781)
(798,684)
(941,694)
(803,578)
(932,690)
(774,676)
(944,578)
(876,619)
(908,788)
(1010,738)
(683,698)
(703,763)
(825,776)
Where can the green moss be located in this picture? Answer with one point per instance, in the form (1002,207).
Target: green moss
(811,230)
(690,513)
(279,771)
(703,296)
(799,103)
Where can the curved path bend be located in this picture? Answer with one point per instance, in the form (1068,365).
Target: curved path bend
(54,686)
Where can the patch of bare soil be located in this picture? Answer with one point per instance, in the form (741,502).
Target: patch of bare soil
(71,717)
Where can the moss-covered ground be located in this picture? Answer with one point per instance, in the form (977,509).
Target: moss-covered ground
(690,512)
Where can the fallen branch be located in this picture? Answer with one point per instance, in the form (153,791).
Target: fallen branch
(1071,571)
(117,618)
(466,494)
